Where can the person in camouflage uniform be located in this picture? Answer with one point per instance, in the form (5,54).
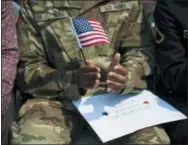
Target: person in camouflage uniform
(51,73)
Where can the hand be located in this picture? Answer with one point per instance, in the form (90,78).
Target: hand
(116,76)
(88,76)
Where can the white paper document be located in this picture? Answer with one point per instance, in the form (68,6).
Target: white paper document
(112,116)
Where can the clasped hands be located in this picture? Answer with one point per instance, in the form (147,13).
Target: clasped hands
(89,75)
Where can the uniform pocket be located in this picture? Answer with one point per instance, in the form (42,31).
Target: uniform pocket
(58,37)
(122,20)
(52,17)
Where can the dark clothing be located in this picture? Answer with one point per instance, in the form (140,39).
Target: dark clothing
(171,18)
(6,121)
(178,131)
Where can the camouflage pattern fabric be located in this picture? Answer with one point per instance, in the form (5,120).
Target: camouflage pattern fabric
(49,57)
(43,121)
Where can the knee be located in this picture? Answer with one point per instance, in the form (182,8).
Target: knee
(40,124)
(35,131)
(151,135)
(159,136)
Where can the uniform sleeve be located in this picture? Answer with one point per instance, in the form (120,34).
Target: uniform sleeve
(170,53)
(139,59)
(35,75)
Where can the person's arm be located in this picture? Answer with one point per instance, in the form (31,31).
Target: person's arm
(35,76)
(139,59)
(171,53)
(128,71)
(9,52)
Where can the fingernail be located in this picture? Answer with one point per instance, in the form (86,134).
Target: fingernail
(116,67)
(110,73)
(97,81)
(98,75)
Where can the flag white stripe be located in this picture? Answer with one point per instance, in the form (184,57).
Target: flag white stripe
(93,36)
(94,41)
(91,32)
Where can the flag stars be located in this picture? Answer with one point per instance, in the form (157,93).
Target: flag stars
(82,25)
(105,113)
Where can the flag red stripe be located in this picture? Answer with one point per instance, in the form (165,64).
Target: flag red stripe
(91,33)
(92,36)
(99,42)
(85,41)
(94,41)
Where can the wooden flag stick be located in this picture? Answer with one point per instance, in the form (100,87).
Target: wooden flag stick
(83,55)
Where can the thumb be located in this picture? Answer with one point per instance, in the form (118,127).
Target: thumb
(116,59)
(90,63)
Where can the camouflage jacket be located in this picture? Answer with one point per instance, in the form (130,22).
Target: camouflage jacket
(49,50)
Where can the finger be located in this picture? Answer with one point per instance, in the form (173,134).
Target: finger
(98,69)
(116,59)
(112,76)
(93,85)
(91,63)
(120,70)
(97,83)
(88,79)
(90,69)
(114,85)
(91,77)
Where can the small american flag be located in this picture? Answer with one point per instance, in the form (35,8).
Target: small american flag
(88,32)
